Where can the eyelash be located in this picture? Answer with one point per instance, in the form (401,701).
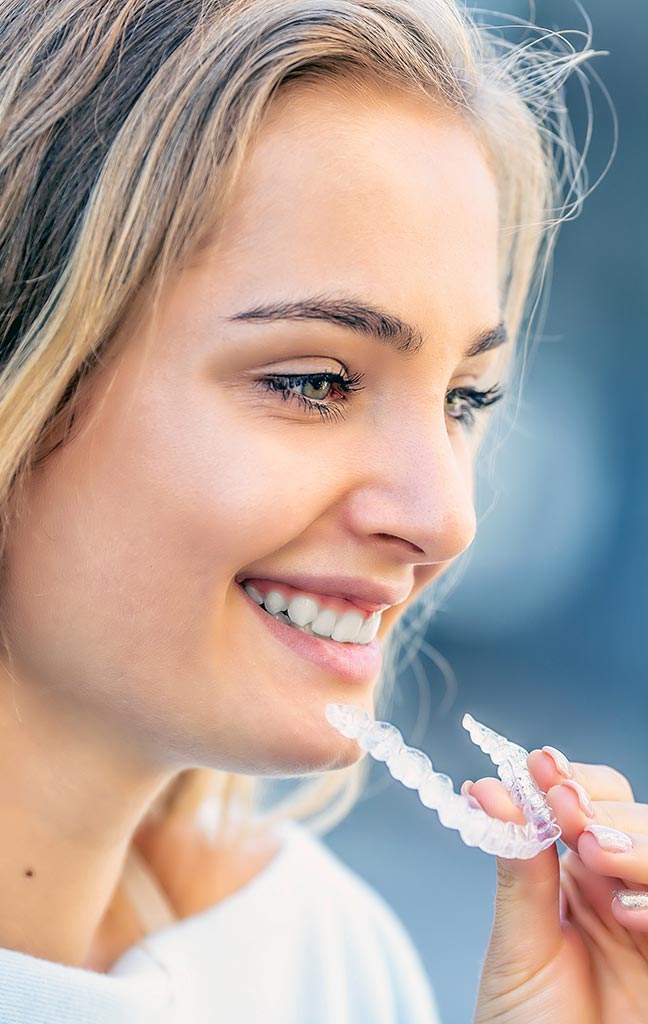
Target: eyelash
(282,384)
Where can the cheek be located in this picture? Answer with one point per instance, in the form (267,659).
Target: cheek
(133,533)
(228,494)
(116,576)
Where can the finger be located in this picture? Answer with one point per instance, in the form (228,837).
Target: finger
(596,893)
(571,811)
(589,899)
(494,798)
(570,802)
(630,908)
(601,781)
(626,864)
(527,928)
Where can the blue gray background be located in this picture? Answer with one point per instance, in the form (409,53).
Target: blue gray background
(546,630)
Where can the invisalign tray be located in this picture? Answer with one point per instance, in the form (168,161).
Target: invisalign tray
(414,769)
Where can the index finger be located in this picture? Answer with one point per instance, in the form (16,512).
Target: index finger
(600,781)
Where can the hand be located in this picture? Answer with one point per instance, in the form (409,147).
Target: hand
(562,948)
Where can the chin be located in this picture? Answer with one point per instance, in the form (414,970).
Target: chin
(332,754)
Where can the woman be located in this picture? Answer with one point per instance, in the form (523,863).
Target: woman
(218,221)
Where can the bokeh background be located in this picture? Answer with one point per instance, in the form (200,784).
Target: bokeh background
(545,634)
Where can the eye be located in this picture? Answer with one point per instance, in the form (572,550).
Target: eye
(313,392)
(319,387)
(466,399)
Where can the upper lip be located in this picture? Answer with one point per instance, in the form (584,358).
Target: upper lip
(365,594)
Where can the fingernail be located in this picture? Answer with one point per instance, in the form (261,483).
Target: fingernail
(465,791)
(632,900)
(586,804)
(560,761)
(610,839)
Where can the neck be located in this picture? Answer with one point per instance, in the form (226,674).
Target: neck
(72,796)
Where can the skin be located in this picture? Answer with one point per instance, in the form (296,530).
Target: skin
(136,655)
(562,947)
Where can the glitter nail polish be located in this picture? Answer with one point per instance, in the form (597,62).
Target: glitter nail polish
(610,839)
(631,900)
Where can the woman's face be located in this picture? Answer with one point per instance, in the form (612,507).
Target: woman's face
(191,473)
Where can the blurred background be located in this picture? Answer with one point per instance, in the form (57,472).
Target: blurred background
(545,633)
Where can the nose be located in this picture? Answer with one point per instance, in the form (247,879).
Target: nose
(419,493)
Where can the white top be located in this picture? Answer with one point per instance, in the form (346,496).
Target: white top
(307,941)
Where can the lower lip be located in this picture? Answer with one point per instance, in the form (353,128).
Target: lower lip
(357,663)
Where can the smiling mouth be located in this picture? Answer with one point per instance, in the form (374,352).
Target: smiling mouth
(283,616)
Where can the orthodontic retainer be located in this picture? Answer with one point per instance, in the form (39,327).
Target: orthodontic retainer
(414,769)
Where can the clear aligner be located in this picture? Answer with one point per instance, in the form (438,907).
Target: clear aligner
(414,769)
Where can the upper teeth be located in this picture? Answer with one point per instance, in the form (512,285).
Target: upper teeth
(350,627)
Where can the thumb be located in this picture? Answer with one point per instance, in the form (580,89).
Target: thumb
(527,926)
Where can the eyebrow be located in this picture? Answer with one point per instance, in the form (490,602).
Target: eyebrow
(367,320)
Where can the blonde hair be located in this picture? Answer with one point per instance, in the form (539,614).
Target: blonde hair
(124,125)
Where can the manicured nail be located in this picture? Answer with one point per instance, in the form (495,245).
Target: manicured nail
(560,761)
(610,839)
(586,804)
(632,900)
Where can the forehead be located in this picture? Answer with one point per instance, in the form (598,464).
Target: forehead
(376,192)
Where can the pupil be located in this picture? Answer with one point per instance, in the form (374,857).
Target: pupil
(316,387)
